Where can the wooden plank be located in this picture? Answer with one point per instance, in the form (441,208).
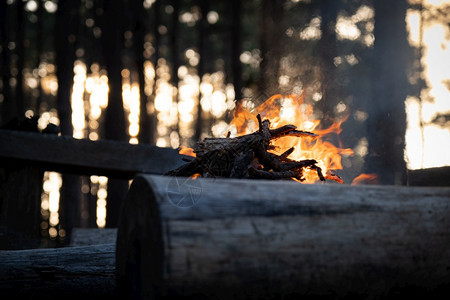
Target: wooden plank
(246,238)
(93,236)
(61,273)
(86,157)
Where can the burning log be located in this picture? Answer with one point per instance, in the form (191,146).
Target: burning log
(247,156)
(247,239)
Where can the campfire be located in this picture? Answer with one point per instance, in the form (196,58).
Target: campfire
(277,140)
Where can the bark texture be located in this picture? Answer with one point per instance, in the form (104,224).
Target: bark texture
(225,238)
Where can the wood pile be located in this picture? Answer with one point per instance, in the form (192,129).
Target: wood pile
(248,156)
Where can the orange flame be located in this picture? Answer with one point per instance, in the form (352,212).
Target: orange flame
(187,151)
(195,176)
(365,179)
(282,110)
(291,109)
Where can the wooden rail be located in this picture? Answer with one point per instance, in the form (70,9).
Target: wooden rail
(82,156)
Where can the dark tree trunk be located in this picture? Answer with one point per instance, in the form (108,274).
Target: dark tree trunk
(65,35)
(70,203)
(112,34)
(20,206)
(91,207)
(5,67)
(39,44)
(202,38)
(236,48)
(146,124)
(20,46)
(115,116)
(66,26)
(265,44)
(327,50)
(156,44)
(271,47)
(386,123)
(175,51)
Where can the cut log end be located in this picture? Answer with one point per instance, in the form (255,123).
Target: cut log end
(139,248)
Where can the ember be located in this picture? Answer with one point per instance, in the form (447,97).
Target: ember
(365,179)
(267,144)
(187,151)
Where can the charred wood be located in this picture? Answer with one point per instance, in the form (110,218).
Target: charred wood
(233,157)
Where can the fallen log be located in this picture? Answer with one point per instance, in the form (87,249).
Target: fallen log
(58,273)
(228,238)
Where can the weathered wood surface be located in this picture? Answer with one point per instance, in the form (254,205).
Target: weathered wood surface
(225,238)
(102,157)
(93,236)
(59,273)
